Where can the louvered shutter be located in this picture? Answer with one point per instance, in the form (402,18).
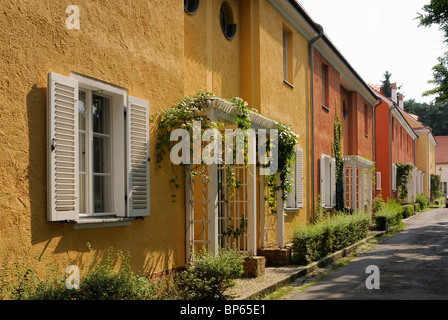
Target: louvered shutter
(62,146)
(322,180)
(137,119)
(299,177)
(378,181)
(333,182)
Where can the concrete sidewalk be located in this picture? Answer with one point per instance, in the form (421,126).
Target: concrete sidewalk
(277,277)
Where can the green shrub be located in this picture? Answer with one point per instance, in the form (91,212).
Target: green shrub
(315,241)
(389,216)
(421,199)
(416,207)
(208,277)
(408,210)
(100,282)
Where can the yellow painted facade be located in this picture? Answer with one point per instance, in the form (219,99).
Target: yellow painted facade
(159,53)
(425,152)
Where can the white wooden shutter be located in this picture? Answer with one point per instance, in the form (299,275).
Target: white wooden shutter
(299,177)
(378,181)
(322,180)
(394,177)
(137,122)
(63,149)
(333,182)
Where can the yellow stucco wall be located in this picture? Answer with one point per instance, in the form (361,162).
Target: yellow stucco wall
(251,66)
(124,43)
(159,53)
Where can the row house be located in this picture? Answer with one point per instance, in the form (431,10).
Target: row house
(79,85)
(425,153)
(442,161)
(395,143)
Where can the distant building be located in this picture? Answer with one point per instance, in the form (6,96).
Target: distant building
(442,161)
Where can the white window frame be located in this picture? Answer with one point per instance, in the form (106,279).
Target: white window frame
(128,163)
(378,181)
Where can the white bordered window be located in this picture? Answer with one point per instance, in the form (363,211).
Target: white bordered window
(98,144)
(295,198)
(327,181)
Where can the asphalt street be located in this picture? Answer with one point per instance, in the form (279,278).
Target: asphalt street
(412,264)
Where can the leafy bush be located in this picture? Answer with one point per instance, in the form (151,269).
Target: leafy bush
(315,241)
(416,207)
(408,210)
(101,282)
(209,276)
(421,199)
(377,204)
(389,216)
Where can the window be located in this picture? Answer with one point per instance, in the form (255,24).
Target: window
(98,150)
(191,6)
(228,25)
(295,198)
(366,120)
(327,181)
(394,177)
(287,56)
(325,86)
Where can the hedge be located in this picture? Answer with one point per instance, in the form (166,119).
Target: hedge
(314,242)
(389,216)
(408,210)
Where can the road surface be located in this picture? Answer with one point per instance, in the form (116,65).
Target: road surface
(412,264)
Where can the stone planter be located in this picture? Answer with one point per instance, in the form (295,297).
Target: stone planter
(254,266)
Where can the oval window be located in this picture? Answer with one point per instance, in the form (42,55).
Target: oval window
(191,6)
(227,22)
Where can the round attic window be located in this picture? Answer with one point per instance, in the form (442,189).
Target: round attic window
(191,6)
(227,22)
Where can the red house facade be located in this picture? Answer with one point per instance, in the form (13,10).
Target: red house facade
(395,142)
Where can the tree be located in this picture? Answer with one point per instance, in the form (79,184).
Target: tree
(436,13)
(440,74)
(386,85)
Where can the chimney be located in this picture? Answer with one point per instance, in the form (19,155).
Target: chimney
(400,102)
(394,92)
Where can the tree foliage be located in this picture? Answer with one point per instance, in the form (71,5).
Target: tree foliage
(436,13)
(431,115)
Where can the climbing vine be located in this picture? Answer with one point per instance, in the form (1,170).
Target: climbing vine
(337,154)
(191,109)
(403,174)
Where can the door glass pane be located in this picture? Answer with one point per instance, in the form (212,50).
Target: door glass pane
(101,114)
(101,192)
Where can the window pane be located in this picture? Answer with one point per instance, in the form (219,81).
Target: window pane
(101,191)
(82,152)
(82,193)
(101,155)
(101,114)
(82,110)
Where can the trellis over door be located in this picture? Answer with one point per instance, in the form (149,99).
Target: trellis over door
(357,183)
(219,215)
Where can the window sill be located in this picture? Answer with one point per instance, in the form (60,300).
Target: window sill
(292,209)
(289,84)
(326,108)
(101,222)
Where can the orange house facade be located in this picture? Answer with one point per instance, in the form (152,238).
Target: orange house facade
(339,91)
(395,143)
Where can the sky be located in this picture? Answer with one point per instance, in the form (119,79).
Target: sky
(382,35)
